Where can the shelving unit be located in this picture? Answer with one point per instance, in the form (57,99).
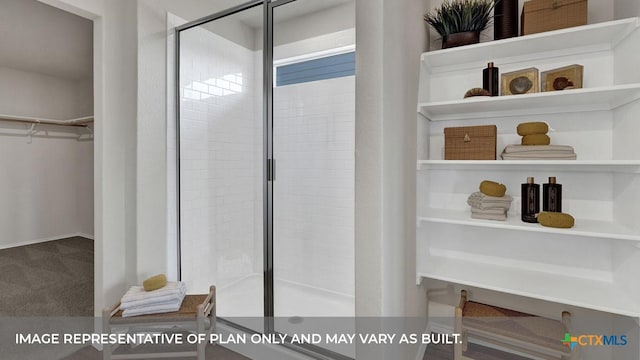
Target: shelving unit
(578,100)
(583,227)
(603,186)
(622,166)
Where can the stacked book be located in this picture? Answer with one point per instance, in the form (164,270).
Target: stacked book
(538,152)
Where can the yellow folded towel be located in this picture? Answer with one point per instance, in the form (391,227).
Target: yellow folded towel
(155,282)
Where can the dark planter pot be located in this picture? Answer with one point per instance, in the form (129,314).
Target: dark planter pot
(460,39)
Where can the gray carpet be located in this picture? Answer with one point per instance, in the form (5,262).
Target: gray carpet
(53,278)
(212,352)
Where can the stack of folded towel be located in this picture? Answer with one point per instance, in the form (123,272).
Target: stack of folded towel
(491,206)
(138,301)
(535,145)
(538,152)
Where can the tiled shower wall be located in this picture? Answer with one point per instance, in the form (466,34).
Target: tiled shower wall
(314,134)
(221,168)
(221,147)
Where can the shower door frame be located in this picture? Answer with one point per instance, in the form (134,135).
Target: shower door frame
(269,166)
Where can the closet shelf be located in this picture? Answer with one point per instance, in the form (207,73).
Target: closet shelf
(81,122)
(557,287)
(583,227)
(556,102)
(591,166)
(575,40)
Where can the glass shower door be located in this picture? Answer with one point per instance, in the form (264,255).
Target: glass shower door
(221,161)
(313,145)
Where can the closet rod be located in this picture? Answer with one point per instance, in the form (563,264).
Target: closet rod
(81,122)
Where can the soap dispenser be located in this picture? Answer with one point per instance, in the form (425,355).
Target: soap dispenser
(530,201)
(552,196)
(490,79)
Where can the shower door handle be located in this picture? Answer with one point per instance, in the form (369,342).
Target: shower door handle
(271,169)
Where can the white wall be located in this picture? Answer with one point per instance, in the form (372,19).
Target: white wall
(25,93)
(46,184)
(314,134)
(43,186)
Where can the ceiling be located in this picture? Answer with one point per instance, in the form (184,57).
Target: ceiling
(290,11)
(42,39)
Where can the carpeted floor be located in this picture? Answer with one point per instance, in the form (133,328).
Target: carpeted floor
(212,352)
(53,278)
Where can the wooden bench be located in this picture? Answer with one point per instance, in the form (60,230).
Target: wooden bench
(513,330)
(197,313)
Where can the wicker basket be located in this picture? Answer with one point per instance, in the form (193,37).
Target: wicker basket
(470,143)
(547,15)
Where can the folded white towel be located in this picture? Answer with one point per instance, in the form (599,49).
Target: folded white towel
(517,148)
(136,293)
(500,211)
(157,308)
(481,201)
(151,301)
(137,297)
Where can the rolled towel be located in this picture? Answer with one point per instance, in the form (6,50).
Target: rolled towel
(530,128)
(492,188)
(536,139)
(155,282)
(556,220)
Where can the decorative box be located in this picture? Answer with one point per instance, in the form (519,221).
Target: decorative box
(470,143)
(547,15)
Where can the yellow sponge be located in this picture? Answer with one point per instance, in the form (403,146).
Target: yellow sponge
(556,220)
(536,139)
(492,188)
(531,128)
(155,282)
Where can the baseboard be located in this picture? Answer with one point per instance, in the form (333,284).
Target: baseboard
(53,238)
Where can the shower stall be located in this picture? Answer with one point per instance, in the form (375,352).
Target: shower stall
(265,137)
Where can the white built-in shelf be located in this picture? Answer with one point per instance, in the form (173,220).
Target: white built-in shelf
(557,287)
(555,102)
(582,227)
(575,40)
(591,166)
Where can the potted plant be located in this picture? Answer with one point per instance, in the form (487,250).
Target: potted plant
(460,22)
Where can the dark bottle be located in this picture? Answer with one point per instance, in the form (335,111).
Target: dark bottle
(490,79)
(552,196)
(530,201)
(505,19)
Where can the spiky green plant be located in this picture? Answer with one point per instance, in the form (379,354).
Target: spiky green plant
(460,16)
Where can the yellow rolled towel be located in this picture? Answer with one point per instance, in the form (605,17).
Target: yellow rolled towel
(531,128)
(556,220)
(492,188)
(536,139)
(155,282)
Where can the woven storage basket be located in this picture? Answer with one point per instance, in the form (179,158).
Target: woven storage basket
(470,143)
(547,15)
